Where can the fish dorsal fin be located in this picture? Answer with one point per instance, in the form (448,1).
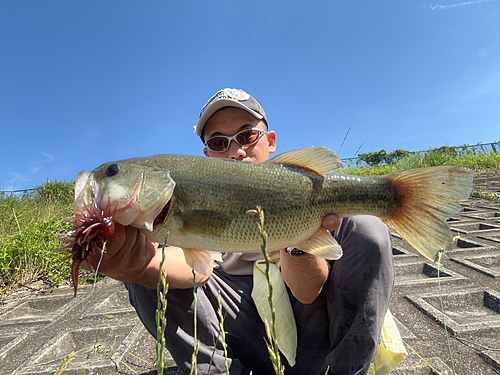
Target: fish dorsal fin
(319,159)
(321,244)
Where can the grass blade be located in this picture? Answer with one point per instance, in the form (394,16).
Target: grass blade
(161,310)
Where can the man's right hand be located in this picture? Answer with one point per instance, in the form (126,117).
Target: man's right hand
(127,255)
(131,257)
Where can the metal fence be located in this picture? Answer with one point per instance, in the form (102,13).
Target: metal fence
(24,193)
(480,148)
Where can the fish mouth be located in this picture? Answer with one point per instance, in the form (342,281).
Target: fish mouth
(160,218)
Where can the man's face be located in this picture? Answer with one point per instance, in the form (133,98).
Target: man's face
(229,121)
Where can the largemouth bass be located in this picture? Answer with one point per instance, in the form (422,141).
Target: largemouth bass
(203,202)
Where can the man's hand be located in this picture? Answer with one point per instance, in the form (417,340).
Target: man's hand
(131,257)
(305,275)
(331,222)
(128,253)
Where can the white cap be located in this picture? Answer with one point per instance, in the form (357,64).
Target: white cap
(229,98)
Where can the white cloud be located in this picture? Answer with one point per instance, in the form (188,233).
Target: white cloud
(488,86)
(39,164)
(90,132)
(455,5)
(476,90)
(488,52)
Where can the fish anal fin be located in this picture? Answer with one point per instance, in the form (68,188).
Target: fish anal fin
(321,244)
(318,159)
(198,259)
(204,222)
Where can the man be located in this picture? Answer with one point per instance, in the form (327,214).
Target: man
(339,306)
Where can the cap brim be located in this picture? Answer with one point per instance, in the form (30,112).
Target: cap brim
(218,105)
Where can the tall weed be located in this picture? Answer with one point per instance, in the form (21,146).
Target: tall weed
(29,225)
(51,200)
(29,254)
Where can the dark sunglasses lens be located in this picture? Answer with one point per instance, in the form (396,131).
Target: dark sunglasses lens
(247,137)
(217,143)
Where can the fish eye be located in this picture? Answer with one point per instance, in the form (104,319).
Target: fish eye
(111,170)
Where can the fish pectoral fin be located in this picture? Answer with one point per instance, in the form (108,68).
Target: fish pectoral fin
(321,244)
(216,255)
(198,259)
(204,222)
(319,159)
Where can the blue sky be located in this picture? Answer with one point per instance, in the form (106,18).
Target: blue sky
(87,82)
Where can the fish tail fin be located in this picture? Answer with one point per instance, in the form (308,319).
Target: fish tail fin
(425,198)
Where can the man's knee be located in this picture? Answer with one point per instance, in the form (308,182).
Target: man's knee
(367,234)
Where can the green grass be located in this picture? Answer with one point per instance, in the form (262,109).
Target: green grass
(161,312)
(29,228)
(272,337)
(486,195)
(481,162)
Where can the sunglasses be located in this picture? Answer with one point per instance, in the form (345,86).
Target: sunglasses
(244,138)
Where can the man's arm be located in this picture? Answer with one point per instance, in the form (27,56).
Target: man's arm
(131,257)
(306,275)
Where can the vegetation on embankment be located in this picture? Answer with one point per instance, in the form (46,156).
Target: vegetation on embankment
(29,228)
(381,162)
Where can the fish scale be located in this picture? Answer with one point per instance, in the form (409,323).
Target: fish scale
(284,194)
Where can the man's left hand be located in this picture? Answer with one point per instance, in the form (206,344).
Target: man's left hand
(330,222)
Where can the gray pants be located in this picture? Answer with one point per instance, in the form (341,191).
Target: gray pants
(340,330)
